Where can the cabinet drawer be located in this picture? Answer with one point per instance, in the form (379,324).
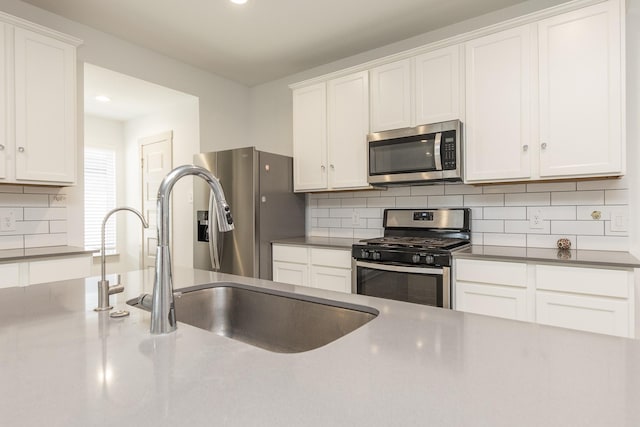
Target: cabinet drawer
(286,253)
(498,301)
(493,272)
(331,258)
(585,313)
(9,275)
(591,281)
(51,270)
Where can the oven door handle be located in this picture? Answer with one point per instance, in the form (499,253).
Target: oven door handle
(400,268)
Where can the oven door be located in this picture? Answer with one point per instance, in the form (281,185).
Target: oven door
(419,285)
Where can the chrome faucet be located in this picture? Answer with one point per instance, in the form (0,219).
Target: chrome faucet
(104,290)
(163,317)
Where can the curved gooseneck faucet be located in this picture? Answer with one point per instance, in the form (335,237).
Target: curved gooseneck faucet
(104,290)
(163,317)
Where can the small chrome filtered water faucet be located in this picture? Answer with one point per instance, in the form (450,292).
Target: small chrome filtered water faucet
(104,290)
(163,317)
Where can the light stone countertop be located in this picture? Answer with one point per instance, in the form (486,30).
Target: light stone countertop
(13,255)
(320,242)
(62,364)
(556,256)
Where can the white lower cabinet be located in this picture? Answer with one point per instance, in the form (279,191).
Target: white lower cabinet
(315,267)
(590,299)
(493,288)
(45,270)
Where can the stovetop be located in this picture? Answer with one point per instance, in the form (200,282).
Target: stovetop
(424,243)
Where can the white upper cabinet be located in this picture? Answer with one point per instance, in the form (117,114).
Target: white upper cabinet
(38,116)
(498,100)
(391,96)
(330,126)
(310,137)
(550,109)
(416,91)
(45,116)
(437,86)
(348,125)
(580,92)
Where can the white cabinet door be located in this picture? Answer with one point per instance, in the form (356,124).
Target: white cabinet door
(45,111)
(4,102)
(498,99)
(54,269)
(580,92)
(292,273)
(391,96)
(10,275)
(582,312)
(310,138)
(348,125)
(330,278)
(498,301)
(437,85)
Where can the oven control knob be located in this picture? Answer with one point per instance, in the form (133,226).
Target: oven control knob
(375,256)
(415,258)
(364,253)
(428,259)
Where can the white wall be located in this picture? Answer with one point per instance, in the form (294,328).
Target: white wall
(224,104)
(183,120)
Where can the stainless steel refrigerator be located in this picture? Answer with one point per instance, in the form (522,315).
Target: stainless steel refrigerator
(259,189)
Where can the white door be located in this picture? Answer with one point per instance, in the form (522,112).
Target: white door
(438,85)
(580,95)
(348,125)
(310,138)
(391,96)
(498,98)
(45,114)
(156,163)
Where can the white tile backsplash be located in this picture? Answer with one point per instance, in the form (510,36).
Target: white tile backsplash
(40,214)
(501,213)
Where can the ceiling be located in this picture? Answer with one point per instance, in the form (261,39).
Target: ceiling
(130,97)
(264,40)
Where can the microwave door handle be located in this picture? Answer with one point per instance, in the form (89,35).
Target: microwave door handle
(436,151)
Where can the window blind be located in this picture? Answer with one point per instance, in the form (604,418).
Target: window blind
(99,196)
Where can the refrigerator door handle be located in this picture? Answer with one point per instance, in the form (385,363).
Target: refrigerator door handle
(215,248)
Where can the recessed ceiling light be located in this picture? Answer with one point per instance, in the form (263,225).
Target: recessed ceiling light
(103,98)
(239,1)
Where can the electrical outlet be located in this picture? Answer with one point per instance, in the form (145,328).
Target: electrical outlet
(355,218)
(7,220)
(535,222)
(619,221)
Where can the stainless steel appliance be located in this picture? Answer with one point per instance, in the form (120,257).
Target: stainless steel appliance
(259,188)
(412,261)
(418,155)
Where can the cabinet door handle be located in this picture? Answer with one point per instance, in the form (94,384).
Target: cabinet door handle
(543,145)
(322,168)
(332,167)
(21,149)
(1,147)
(525,147)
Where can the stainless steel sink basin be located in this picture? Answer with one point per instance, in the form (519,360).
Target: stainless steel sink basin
(277,321)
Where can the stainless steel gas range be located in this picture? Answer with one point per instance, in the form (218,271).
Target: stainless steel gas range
(412,261)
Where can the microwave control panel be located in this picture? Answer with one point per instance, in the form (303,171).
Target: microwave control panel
(448,150)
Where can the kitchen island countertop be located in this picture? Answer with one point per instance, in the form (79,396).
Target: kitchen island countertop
(62,364)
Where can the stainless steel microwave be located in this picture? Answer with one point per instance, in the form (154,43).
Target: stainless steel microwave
(416,155)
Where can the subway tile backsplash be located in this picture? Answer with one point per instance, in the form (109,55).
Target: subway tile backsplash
(40,216)
(582,211)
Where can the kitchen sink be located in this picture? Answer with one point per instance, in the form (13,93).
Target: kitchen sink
(278,321)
